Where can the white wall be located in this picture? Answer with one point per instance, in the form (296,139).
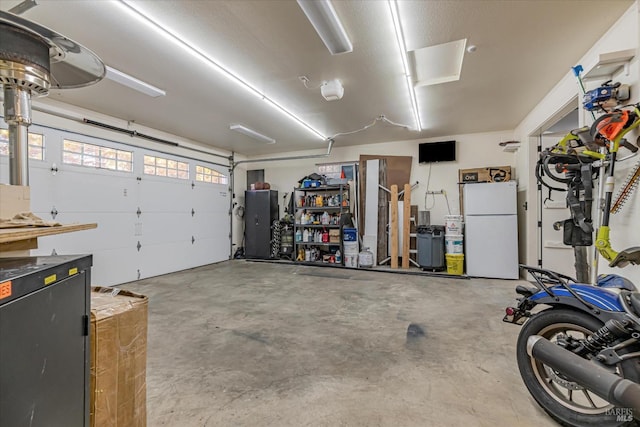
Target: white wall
(624,34)
(473,150)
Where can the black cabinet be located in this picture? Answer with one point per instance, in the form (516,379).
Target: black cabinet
(44,346)
(261,209)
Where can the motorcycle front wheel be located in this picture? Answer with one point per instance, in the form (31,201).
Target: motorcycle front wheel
(564,400)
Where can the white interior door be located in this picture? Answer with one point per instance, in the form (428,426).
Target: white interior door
(556,256)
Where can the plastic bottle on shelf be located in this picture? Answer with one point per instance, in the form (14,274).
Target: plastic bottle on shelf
(325,235)
(298,236)
(325,218)
(338,257)
(305,235)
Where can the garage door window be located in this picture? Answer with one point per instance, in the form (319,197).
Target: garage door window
(96,156)
(36,144)
(159,166)
(205,174)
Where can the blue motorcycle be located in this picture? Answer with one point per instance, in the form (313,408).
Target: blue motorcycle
(579,349)
(580,357)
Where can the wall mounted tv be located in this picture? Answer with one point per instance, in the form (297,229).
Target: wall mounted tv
(443,151)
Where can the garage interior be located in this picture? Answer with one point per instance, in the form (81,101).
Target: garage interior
(286,212)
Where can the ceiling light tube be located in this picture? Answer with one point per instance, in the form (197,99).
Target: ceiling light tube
(133,83)
(395,17)
(164,31)
(21,8)
(252,133)
(325,20)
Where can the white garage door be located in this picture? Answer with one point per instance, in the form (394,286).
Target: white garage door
(155,215)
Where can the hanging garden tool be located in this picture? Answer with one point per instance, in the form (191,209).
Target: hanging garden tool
(625,192)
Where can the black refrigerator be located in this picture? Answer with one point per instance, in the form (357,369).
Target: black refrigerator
(261,209)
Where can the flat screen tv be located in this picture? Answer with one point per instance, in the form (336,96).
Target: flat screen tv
(443,151)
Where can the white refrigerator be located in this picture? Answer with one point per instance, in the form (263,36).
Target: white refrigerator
(491,229)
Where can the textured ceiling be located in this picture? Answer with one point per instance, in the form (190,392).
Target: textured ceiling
(523,49)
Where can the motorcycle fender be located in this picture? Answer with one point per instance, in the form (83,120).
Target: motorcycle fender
(570,302)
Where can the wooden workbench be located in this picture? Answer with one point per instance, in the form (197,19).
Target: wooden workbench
(24,238)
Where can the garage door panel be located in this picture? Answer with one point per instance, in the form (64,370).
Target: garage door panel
(166,227)
(210,197)
(159,259)
(115,266)
(209,250)
(165,195)
(85,192)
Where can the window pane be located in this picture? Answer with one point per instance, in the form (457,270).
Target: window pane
(172,173)
(183,166)
(172,164)
(183,174)
(92,150)
(124,166)
(149,160)
(149,170)
(4,135)
(124,155)
(35,152)
(72,158)
(75,147)
(108,164)
(161,162)
(108,153)
(161,171)
(35,139)
(90,161)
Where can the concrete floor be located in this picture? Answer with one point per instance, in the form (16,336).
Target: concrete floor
(258,344)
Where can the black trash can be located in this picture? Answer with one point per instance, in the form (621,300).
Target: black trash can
(430,239)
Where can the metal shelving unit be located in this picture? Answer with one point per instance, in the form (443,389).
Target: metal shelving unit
(335,202)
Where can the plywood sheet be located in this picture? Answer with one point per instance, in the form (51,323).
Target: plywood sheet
(15,234)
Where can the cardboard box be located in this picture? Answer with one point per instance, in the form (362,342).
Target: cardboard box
(334,235)
(118,336)
(488,174)
(14,199)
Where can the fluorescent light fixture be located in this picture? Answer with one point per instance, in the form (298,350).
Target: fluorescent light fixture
(163,30)
(325,20)
(133,83)
(252,133)
(21,8)
(395,16)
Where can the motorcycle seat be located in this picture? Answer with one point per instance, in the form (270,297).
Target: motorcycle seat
(630,255)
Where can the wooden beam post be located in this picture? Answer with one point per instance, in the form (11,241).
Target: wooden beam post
(393,232)
(406,225)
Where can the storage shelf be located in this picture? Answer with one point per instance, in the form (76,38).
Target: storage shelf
(319,208)
(317,226)
(324,188)
(327,264)
(303,195)
(317,244)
